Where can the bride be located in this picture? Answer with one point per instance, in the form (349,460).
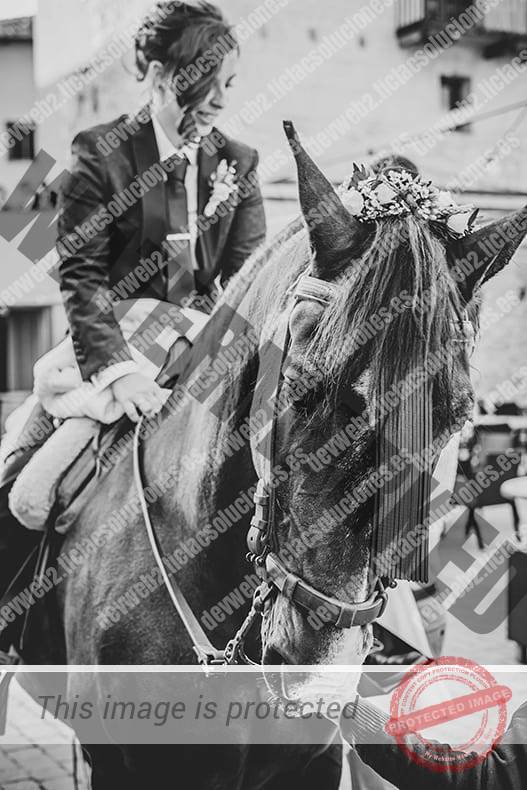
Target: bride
(157,212)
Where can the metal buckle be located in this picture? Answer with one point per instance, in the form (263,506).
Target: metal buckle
(256,537)
(262,593)
(256,540)
(208,657)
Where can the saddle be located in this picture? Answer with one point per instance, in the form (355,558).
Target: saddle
(92,463)
(78,451)
(26,554)
(98,456)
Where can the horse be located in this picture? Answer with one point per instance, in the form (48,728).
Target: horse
(292,310)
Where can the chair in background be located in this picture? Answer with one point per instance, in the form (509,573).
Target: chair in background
(488,444)
(511,490)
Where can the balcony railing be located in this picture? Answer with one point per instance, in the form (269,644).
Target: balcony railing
(19,29)
(500,30)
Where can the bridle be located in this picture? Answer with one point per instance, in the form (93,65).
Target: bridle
(261,539)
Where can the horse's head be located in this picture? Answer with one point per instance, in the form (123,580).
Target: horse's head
(382,297)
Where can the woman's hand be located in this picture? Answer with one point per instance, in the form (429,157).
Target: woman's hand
(137,393)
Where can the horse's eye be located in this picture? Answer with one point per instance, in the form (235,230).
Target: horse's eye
(301,397)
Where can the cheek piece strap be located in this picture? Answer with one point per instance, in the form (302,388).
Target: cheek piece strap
(260,539)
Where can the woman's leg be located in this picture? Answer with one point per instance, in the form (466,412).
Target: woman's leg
(33,494)
(27,428)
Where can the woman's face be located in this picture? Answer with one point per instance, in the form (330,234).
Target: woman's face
(206,113)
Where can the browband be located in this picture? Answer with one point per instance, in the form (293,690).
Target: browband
(315,289)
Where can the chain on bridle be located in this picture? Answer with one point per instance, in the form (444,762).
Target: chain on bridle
(274,576)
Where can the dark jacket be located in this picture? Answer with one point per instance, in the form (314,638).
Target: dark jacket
(92,261)
(503,768)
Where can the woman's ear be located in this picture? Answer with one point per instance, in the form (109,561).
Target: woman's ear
(154,75)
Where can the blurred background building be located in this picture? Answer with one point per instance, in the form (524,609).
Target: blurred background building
(17,93)
(36,318)
(365,96)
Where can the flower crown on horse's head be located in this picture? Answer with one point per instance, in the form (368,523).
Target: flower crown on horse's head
(341,223)
(373,196)
(395,192)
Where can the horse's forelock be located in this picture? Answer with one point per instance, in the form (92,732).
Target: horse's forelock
(403,257)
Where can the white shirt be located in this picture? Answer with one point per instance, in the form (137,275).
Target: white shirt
(166,149)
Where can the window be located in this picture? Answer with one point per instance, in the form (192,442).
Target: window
(443,10)
(28,337)
(3,353)
(24,147)
(455,92)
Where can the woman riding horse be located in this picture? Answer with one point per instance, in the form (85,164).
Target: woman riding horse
(306,340)
(192,214)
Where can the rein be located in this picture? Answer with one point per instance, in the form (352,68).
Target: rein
(272,573)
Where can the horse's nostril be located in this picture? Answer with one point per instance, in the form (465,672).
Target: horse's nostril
(275,679)
(273,657)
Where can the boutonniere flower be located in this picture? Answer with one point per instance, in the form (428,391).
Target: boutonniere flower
(223,183)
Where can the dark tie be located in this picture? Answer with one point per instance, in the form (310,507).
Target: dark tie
(180,274)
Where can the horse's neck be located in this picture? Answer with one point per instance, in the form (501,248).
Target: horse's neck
(200,445)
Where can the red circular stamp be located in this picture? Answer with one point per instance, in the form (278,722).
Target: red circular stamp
(454,701)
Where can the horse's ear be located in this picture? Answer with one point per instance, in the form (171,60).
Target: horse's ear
(331,226)
(485,252)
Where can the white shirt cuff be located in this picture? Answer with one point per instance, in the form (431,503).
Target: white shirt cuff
(113,372)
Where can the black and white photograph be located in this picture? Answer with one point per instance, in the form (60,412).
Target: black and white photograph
(263,394)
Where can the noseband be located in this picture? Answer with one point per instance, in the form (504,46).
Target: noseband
(269,568)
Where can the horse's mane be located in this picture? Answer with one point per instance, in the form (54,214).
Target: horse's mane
(277,253)
(385,268)
(254,297)
(252,300)
(263,279)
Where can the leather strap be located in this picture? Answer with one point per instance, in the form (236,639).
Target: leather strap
(336,612)
(267,398)
(260,536)
(315,289)
(261,539)
(202,645)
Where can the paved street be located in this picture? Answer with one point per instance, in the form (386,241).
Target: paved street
(45,755)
